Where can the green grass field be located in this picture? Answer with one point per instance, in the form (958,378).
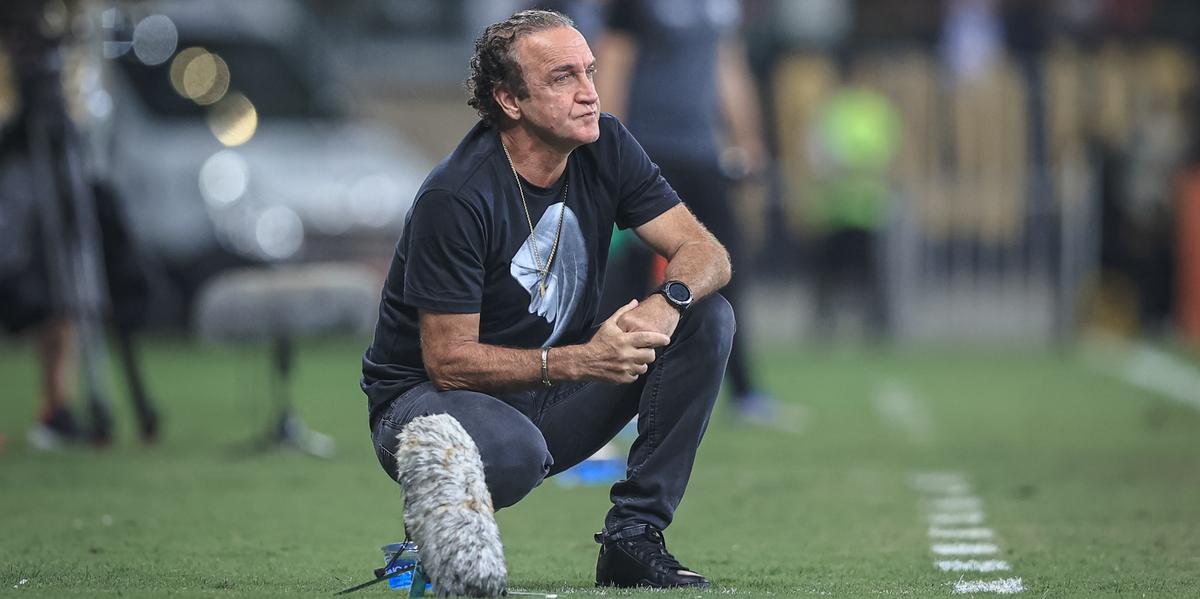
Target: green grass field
(1091,486)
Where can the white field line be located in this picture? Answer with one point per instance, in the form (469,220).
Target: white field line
(1004,586)
(903,410)
(950,490)
(964,548)
(965,503)
(991,565)
(956,514)
(965,534)
(956,518)
(1162,373)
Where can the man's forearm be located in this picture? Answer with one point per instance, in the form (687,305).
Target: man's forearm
(702,264)
(739,102)
(486,368)
(497,369)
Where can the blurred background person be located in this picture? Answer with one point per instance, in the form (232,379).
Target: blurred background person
(854,139)
(675,72)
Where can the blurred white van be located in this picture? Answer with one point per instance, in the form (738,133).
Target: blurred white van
(240,146)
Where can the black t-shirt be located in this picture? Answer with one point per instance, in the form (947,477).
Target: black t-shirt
(466,248)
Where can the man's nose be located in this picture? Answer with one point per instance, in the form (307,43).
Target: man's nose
(588,95)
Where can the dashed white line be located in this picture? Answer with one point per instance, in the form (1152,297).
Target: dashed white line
(944,519)
(955,517)
(968,534)
(964,548)
(1003,586)
(966,503)
(991,565)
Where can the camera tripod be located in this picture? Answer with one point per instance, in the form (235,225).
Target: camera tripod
(68,222)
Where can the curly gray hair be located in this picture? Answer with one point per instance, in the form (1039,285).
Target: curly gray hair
(495,61)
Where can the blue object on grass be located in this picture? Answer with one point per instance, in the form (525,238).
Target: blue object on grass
(409,556)
(594,471)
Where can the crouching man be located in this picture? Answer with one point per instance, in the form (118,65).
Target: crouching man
(489,311)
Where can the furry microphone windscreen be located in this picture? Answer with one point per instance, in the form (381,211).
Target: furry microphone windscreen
(448,510)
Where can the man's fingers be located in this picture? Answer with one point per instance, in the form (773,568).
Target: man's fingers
(644,356)
(626,324)
(648,339)
(622,310)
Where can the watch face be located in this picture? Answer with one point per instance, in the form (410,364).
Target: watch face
(679,292)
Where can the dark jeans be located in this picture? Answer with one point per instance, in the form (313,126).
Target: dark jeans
(526,436)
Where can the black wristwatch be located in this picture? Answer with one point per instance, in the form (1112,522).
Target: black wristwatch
(678,294)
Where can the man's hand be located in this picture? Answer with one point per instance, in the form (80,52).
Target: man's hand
(619,356)
(653,314)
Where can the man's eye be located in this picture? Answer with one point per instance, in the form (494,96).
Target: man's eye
(561,78)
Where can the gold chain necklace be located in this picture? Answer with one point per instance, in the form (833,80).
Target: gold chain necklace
(543,272)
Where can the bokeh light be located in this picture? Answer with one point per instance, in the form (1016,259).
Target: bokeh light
(111,20)
(179,65)
(224,178)
(206,79)
(279,232)
(233,120)
(99,104)
(154,39)
(200,75)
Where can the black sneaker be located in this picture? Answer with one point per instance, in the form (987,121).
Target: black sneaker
(637,557)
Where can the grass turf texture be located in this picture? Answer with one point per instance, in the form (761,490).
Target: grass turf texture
(1092,486)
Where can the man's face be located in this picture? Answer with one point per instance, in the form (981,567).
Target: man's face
(562,107)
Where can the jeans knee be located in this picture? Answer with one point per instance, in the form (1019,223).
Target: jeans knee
(515,468)
(715,322)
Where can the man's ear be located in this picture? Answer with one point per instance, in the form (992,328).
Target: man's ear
(507,102)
